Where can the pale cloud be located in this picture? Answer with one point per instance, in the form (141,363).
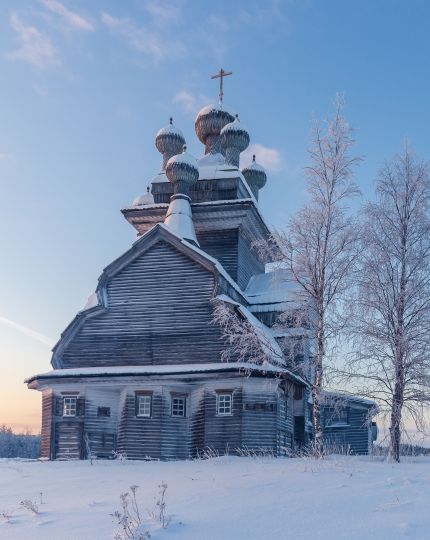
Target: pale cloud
(35,47)
(150,43)
(72,19)
(163,11)
(189,102)
(26,331)
(269,158)
(5,156)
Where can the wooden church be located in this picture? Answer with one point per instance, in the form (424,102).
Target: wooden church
(138,372)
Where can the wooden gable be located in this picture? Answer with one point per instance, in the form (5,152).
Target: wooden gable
(157,310)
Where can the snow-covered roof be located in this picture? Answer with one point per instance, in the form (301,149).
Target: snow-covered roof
(269,344)
(271,287)
(179,219)
(93,301)
(172,369)
(348,397)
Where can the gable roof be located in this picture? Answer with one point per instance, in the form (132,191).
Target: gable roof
(99,300)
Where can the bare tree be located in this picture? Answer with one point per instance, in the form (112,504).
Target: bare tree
(391,323)
(319,248)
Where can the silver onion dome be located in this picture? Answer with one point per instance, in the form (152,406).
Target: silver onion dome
(182,171)
(145,199)
(234,139)
(169,142)
(209,123)
(255,176)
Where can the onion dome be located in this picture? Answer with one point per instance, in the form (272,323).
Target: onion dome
(255,176)
(145,199)
(234,140)
(169,142)
(209,123)
(182,172)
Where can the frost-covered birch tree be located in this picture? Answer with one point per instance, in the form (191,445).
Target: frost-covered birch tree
(319,247)
(391,322)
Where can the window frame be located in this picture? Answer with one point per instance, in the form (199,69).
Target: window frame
(221,394)
(337,416)
(68,409)
(103,412)
(139,396)
(181,397)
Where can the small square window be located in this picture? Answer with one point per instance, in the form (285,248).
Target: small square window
(179,406)
(69,406)
(224,404)
(103,411)
(144,405)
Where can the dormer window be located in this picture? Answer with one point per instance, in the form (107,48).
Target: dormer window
(69,406)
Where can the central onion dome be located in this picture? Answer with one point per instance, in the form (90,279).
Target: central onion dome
(209,123)
(234,140)
(169,142)
(255,176)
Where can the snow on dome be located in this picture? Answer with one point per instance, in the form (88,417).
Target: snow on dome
(145,199)
(185,157)
(182,171)
(169,131)
(234,140)
(209,123)
(255,176)
(169,142)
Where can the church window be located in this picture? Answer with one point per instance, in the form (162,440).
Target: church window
(179,406)
(144,405)
(103,411)
(224,404)
(69,406)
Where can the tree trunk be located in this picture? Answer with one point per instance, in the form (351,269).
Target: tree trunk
(316,392)
(396,416)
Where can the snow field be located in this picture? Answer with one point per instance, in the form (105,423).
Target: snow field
(226,498)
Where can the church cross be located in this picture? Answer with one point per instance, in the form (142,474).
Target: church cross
(221,76)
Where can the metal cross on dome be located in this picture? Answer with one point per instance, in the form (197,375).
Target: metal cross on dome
(220,75)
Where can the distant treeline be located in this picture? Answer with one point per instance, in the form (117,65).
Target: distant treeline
(405,450)
(23,445)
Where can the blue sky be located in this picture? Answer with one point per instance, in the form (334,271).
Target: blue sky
(86,85)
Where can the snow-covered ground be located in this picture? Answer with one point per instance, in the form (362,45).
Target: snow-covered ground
(227,498)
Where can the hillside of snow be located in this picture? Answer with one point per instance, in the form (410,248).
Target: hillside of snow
(228,498)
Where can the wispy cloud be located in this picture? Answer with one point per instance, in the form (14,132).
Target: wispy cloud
(35,48)
(72,19)
(26,331)
(152,44)
(164,11)
(270,158)
(5,156)
(189,102)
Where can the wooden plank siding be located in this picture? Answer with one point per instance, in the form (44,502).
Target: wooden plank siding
(46,431)
(260,416)
(223,434)
(353,437)
(223,246)
(248,263)
(159,312)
